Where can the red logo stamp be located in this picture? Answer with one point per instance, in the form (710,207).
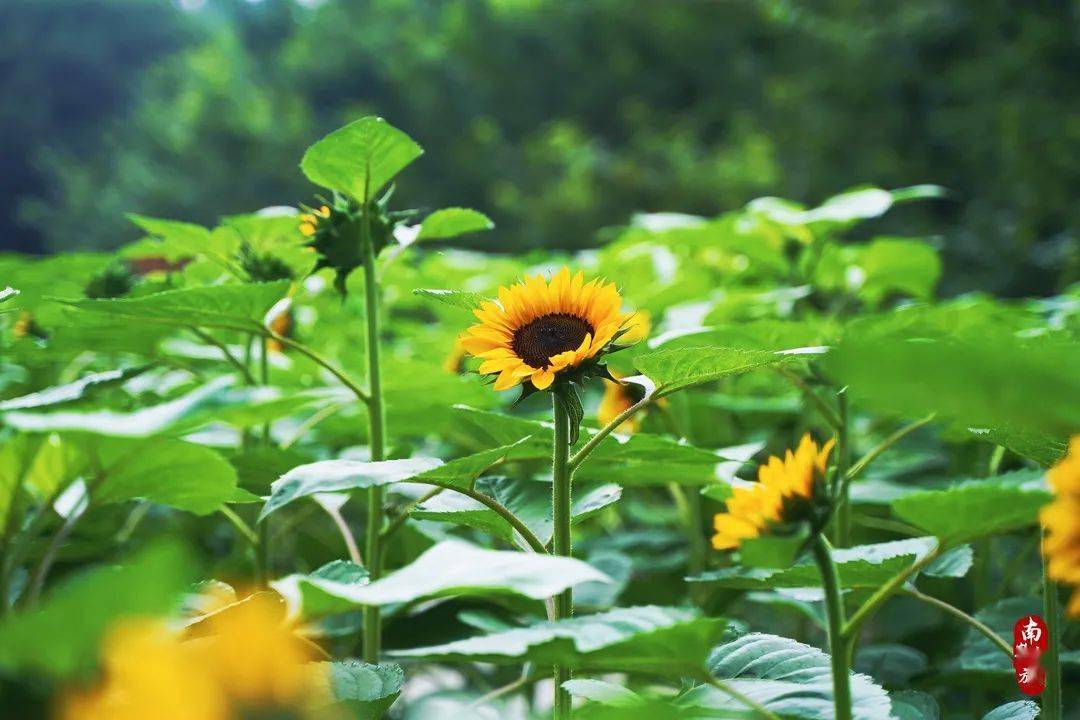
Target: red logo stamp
(1029,643)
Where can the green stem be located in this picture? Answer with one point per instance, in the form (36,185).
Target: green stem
(689,506)
(747,701)
(884,445)
(843,462)
(1051,697)
(262,546)
(886,591)
(826,412)
(398,520)
(840,648)
(963,616)
(515,522)
(583,453)
(318,359)
(561,474)
(229,357)
(376,430)
(242,527)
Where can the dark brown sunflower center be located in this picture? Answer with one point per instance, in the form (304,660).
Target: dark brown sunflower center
(549,335)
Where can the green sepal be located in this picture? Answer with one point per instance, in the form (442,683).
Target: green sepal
(568,396)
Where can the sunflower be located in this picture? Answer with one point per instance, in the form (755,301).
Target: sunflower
(782,485)
(1061,520)
(539,329)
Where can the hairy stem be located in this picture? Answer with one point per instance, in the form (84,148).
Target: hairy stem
(747,701)
(1051,697)
(840,648)
(586,449)
(956,612)
(376,430)
(843,462)
(561,473)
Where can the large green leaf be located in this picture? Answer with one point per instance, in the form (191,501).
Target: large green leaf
(218,400)
(662,640)
(680,368)
(880,268)
(529,500)
(449,568)
(338,475)
(789,678)
(977,508)
(451,222)
(360,158)
(62,636)
(455,298)
(69,392)
(640,459)
(170,472)
(241,305)
(861,566)
(1021,710)
(363,691)
(177,238)
(966,367)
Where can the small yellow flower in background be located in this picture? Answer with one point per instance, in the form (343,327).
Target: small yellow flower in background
(149,673)
(638,327)
(455,360)
(540,328)
(309,222)
(256,656)
(753,508)
(618,398)
(246,658)
(1061,520)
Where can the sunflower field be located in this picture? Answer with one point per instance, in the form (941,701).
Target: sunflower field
(318,462)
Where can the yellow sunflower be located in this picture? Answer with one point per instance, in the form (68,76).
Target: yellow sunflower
(309,222)
(751,509)
(1061,520)
(540,328)
(618,398)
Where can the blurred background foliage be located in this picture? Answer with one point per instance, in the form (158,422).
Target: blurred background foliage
(558,119)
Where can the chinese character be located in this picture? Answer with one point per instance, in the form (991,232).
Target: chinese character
(1032,632)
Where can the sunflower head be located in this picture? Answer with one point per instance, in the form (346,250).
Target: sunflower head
(541,331)
(788,490)
(1061,520)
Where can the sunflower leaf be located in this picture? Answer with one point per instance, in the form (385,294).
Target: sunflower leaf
(681,368)
(360,158)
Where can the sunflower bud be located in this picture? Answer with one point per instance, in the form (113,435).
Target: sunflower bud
(334,231)
(113,281)
(262,267)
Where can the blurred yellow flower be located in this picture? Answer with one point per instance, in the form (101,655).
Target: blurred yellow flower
(753,508)
(638,328)
(245,658)
(1061,520)
(540,328)
(149,673)
(309,222)
(618,398)
(455,360)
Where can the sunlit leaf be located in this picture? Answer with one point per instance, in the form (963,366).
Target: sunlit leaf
(450,568)
(364,691)
(972,509)
(681,368)
(62,636)
(338,475)
(451,222)
(659,640)
(360,158)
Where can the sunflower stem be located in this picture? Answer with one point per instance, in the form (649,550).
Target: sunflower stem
(376,429)
(1051,697)
(840,646)
(843,462)
(561,474)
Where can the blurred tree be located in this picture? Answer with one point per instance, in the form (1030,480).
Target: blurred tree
(68,68)
(560,118)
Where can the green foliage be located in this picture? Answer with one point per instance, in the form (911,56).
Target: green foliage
(365,691)
(49,642)
(449,568)
(664,641)
(360,158)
